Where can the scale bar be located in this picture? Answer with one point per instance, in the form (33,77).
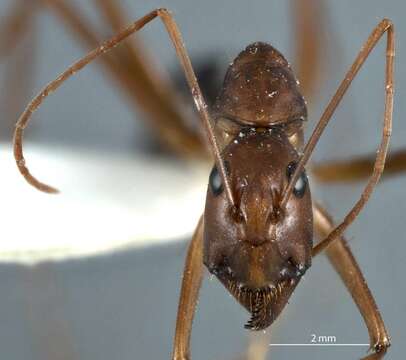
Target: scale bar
(318,344)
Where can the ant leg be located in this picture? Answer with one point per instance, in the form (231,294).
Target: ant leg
(89,37)
(113,13)
(309,26)
(191,282)
(359,168)
(16,25)
(343,261)
(157,90)
(18,35)
(108,45)
(385,26)
(135,73)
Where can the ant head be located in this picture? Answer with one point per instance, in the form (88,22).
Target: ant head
(260,89)
(257,250)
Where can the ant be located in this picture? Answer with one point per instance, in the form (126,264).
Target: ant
(256,233)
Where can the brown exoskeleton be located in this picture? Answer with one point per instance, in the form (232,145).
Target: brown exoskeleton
(258,250)
(256,234)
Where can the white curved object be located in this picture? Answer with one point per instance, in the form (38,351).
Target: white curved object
(107,202)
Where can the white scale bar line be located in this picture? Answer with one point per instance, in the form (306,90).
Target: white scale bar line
(318,344)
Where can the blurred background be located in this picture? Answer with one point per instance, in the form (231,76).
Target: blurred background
(94,273)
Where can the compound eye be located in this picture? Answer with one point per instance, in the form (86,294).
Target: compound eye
(215,182)
(301,183)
